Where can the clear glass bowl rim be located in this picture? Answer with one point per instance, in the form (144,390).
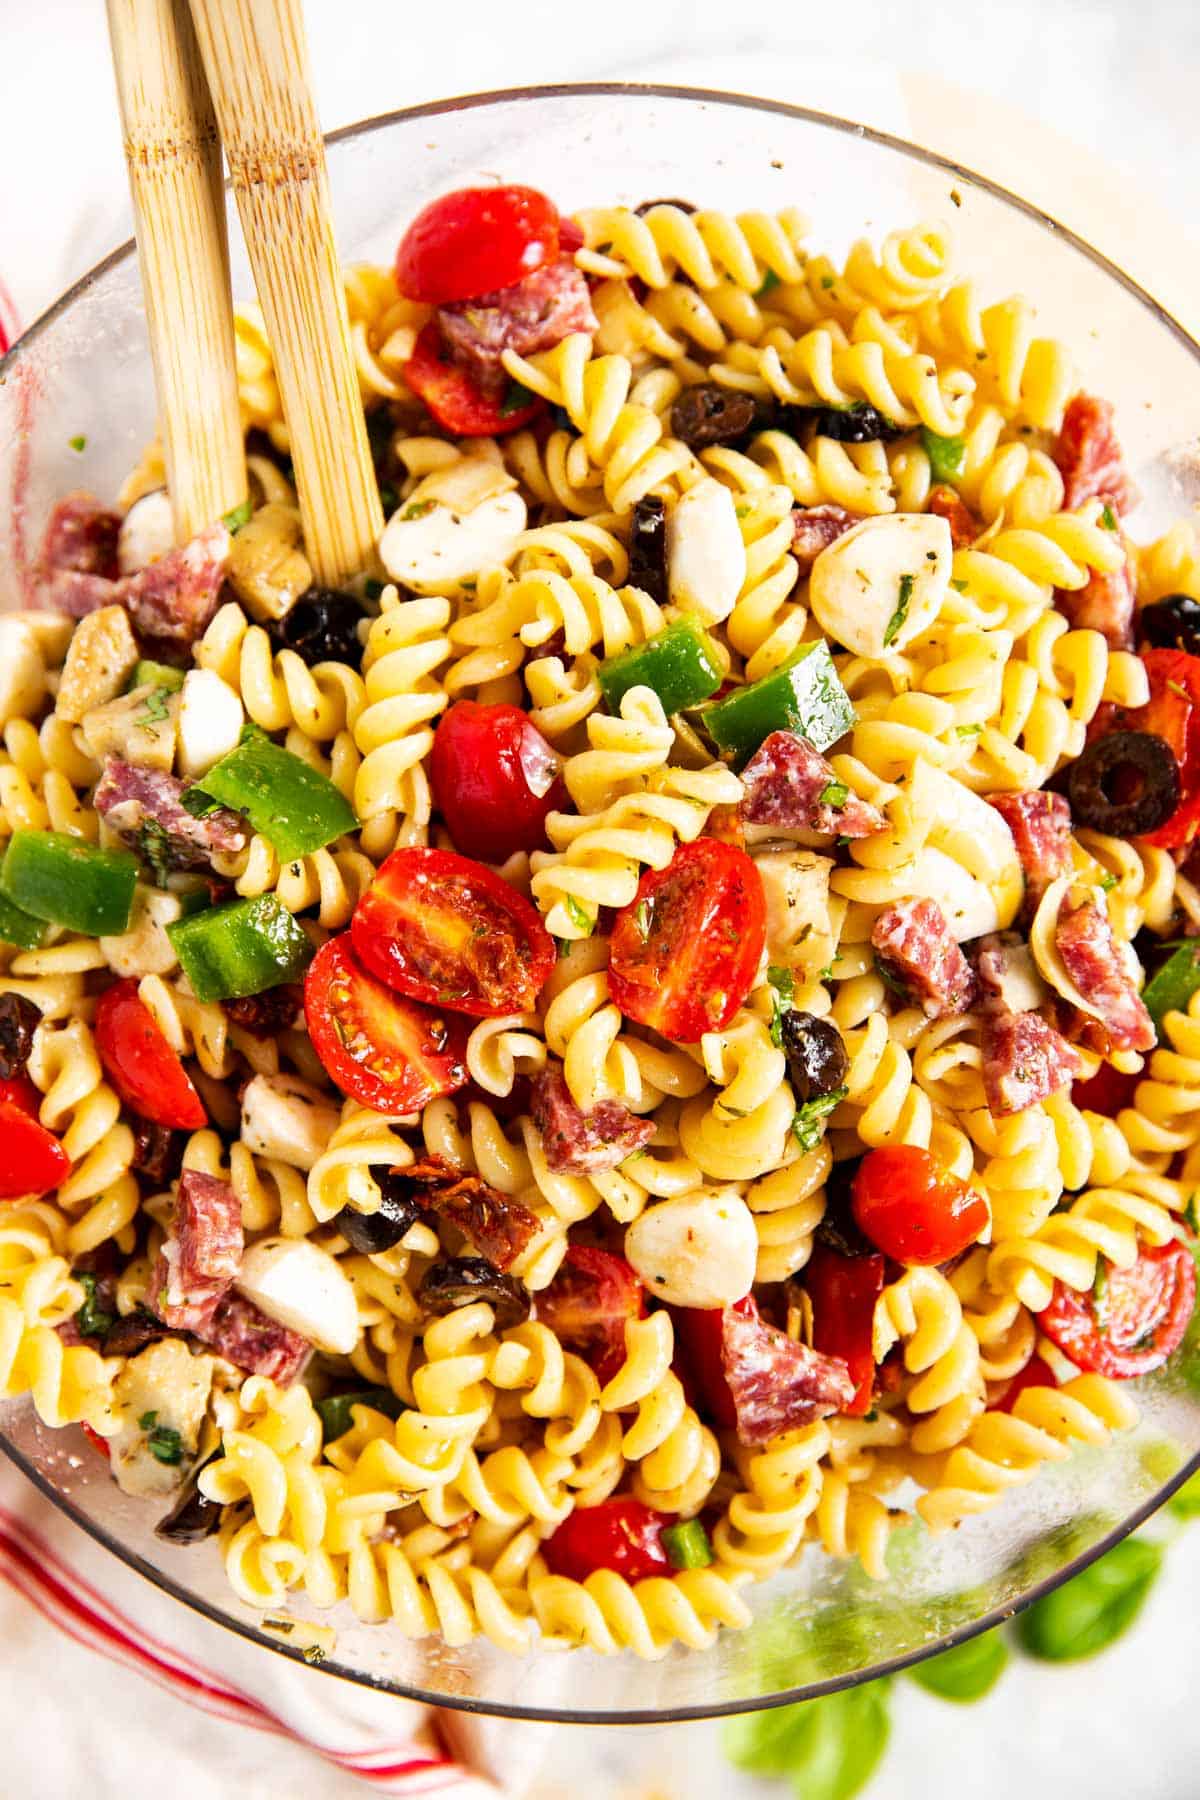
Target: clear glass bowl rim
(996,1615)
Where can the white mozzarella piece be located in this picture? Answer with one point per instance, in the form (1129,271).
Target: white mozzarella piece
(706,558)
(22,676)
(697,1250)
(796,888)
(432,548)
(147,532)
(962,824)
(145,949)
(299,1285)
(286,1119)
(878,587)
(210,722)
(1016,975)
(168,1388)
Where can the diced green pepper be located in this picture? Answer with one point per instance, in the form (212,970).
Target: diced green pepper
(66,881)
(1170,988)
(292,805)
(946,454)
(680,664)
(243,948)
(155,674)
(21,928)
(687,1545)
(803,694)
(335,1408)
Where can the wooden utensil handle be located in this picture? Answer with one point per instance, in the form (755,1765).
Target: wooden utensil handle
(256,58)
(174,160)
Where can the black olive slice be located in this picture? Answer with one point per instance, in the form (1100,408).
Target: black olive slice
(859,424)
(372,1233)
(816,1056)
(1172,623)
(683,205)
(462,1280)
(648,548)
(707,414)
(1124,784)
(839,1229)
(193,1516)
(19,1019)
(322,626)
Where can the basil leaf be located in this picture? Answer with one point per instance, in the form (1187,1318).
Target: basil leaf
(967,1672)
(237,516)
(807,1120)
(1185,1501)
(829,1748)
(1091,1611)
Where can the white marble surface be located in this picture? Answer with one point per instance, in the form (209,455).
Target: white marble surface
(1085,106)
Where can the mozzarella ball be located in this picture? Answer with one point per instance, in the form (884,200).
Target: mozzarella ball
(698,1250)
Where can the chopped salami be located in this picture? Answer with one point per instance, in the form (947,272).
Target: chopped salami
(1024,1059)
(917,951)
(1088,454)
(499,1226)
(1084,939)
(246,1337)
(531,315)
(583,1142)
(964,526)
(1041,826)
(1104,605)
(201,1255)
(776,1384)
(80,539)
(787,782)
(177,596)
(814,528)
(140,804)
(266,1015)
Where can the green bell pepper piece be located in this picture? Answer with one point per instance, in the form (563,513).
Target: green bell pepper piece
(155,674)
(243,948)
(1170,988)
(680,664)
(335,1411)
(20,928)
(803,694)
(66,881)
(947,455)
(687,1545)
(292,805)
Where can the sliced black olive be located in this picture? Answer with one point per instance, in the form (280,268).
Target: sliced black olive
(321,627)
(839,1229)
(683,205)
(816,1056)
(648,548)
(133,1332)
(374,1232)
(157,1151)
(707,414)
(858,424)
(462,1280)
(193,1516)
(1124,784)
(1172,623)
(19,1019)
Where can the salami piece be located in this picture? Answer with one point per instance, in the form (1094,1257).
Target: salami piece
(1024,1059)
(814,528)
(201,1254)
(1104,605)
(964,526)
(1041,826)
(134,800)
(1084,939)
(1089,458)
(175,598)
(917,952)
(583,1143)
(532,315)
(788,782)
(246,1337)
(80,538)
(776,1383)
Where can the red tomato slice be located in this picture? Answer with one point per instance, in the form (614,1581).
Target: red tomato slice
(494,778)
(1107,1093)
(588,1303)
(384,1051)
(912,1209)
(843,1291)
(452,397)
(1132,1321)
(684,952)
(141,1064)
(475,240)
(1036,1373)
(443,929)
(96,1441)
(1173,713)
(700,1363)
(18,1090)
(32,1161)
(621,1534)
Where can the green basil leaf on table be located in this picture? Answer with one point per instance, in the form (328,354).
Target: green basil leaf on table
(1091,1611)
(967,1672)
(1185,1501)
(828,1748)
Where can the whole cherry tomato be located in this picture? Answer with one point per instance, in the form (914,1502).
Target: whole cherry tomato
(141,1064)
(445,930)
(475,240)
(1131,1320)
(452,397)
(621,1534)
(495,778)
(1173,714)
(588,1304)
(32,1161)
(843,1291)
(912,1209)
(386,1052)
(684,952)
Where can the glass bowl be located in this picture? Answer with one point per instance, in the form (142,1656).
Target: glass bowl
(83,371)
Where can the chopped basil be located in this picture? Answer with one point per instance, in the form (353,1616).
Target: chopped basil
(582,920)
(154,847)
(783,988)
(198,803)
(78,444)
(92,1320)
(641,919)
(237,516)
(834,793)
(901,613)
(808,1120)
(959,586)
(515,400)
(827,281)
(1108,883)
(417,509)
(770,280)
(1100,1294)
(165,1444)
(968,731)
(147,1421)
(1191,1214)
(156,709)
(1108,518)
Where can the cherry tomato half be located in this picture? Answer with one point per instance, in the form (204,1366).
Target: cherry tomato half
(452,397)
(843,1291)
(384,1051)
(141,1064)
(699,1359)
(1036,1373)
(622,1534)
(912,1209)
(684,952)
(1106,1093)
(20,1091)
(494,778)
(588,1304)
(96,1441)
(32,1161)
(443,929)
(1132,1320)
(1173,713)
(475,240)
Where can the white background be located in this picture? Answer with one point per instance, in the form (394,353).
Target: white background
(1088,109)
